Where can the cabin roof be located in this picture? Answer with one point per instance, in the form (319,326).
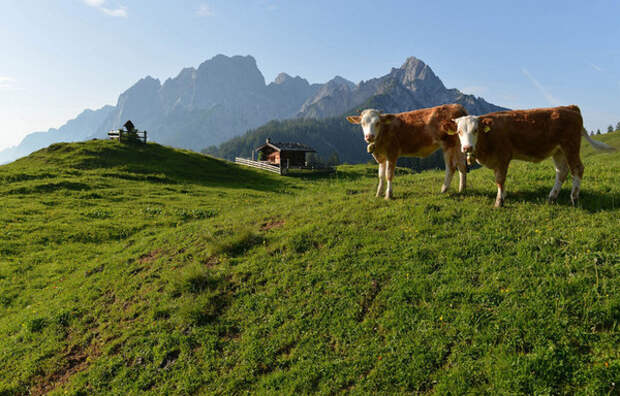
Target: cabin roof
(286,146)
(129,125)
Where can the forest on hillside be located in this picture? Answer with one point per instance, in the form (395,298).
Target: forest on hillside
(335,140)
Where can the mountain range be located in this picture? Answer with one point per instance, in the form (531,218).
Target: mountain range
(227,96)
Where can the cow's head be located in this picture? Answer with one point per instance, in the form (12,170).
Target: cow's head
(468,127)
(373,122)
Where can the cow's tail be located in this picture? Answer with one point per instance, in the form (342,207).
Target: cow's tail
(595,143)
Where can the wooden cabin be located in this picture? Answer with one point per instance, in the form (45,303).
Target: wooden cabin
(290,155)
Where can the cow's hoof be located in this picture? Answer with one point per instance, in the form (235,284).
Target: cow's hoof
(499,203)
(444,189)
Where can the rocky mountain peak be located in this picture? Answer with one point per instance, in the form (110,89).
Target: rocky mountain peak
(415,74)
(282,78)
(145,84)
(240,69)
(338,80)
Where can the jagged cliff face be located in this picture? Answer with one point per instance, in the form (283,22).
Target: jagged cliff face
(226,96)
(412,86)
(290,93)
(332,98)
(223,98)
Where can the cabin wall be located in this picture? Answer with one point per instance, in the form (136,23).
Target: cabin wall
(296,158)
(274,158)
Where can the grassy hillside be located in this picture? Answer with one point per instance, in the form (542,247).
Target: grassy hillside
(133,269)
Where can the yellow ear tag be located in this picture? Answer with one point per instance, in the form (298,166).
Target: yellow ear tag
(487,128)
(451,132)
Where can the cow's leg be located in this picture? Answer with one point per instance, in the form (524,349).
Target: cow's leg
(500,180)
(575,165)
(450,168)
(462,167)
(447,180)
(561,171)
(381,178)
(390,166)
(454,159)
(576,171)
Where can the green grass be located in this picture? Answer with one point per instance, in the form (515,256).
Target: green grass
(144,269)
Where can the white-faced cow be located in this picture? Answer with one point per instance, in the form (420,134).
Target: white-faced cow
(415,133)
(495,139)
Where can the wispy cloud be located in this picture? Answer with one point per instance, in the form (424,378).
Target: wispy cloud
(550,98)
(119,11)
(204,10)
(595,67)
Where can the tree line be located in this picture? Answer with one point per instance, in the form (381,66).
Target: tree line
(335,140)
(610,128)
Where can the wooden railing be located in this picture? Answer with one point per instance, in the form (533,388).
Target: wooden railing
(259,165)
(124,136)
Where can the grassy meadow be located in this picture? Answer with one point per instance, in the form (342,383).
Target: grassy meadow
(129,270)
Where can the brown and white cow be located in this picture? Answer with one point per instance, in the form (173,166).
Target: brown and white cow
(415,133)
(495,139)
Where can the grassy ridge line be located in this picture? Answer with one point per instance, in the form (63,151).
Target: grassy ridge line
(126,272)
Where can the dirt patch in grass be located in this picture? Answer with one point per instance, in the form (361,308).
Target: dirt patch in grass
(150,257)
(368,299)
(211,262)
(75,360)
(271,225)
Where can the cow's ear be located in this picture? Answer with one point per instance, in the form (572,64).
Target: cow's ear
(448,127)
(354,119)
(486,124)
(387,119)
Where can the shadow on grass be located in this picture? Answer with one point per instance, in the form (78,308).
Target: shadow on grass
(590,201)
(324,175)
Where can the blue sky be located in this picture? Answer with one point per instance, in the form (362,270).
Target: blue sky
(60,57)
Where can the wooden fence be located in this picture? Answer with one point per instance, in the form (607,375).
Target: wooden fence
(125,136)
(283,169)
(259,165)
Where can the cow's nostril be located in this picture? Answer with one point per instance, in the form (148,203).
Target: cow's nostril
(466,149)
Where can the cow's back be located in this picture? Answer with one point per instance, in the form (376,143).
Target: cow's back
(420,132)
(534,134)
